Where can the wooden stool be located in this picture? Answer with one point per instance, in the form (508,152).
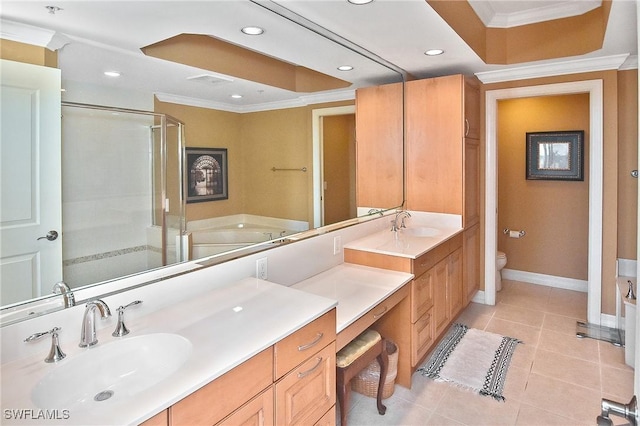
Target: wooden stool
(354,357)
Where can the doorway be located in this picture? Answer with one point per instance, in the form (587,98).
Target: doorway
(595,90)
(318,157)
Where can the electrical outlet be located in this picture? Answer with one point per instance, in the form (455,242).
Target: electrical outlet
(261,268)
(337,245)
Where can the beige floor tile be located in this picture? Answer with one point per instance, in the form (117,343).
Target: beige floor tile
(562,398)
(424,391)
(612,356)
(472,409)
(529,335)
(533,416)
(617,382)
(568,369)
(519,314)
(523,356)
(560,324)
(438,420)
(516,383)
(399,412)
(572,346)
(567,302)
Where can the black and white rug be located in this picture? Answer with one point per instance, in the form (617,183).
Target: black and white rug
(472,359)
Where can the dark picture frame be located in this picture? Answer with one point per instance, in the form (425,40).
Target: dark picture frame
(207,174)
(555,155)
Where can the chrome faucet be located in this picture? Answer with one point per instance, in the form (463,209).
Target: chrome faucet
(55,353)
(402,214)
(62,288)
(88,334)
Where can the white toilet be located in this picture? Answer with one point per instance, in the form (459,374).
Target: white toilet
(501,261)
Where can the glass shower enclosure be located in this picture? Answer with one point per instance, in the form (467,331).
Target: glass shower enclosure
(122,197)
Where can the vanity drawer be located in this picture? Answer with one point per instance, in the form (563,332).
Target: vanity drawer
(430,258)
(421,295)
(305,394)
(422,338)
(365,321)
(221,397)
(297,347)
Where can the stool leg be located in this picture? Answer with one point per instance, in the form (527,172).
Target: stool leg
(344,392)
(383,360)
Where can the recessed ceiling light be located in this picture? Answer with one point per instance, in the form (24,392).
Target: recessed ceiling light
(252,30)
(112,73)
(345,67)
(359,1)
(434,52)
(236,96)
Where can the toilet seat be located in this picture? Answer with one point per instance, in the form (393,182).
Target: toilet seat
(501,255)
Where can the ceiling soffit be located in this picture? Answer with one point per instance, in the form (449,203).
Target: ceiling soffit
(571,36)
(209,53)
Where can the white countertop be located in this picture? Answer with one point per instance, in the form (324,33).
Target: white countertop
(401,243)
(356,288)
(215,324)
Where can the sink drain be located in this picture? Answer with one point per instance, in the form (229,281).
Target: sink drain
(103,396)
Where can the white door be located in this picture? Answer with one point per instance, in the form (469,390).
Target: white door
(30,181)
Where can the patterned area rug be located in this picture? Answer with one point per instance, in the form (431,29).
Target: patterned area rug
(472,359)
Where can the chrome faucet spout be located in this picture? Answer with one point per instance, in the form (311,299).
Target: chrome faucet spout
(62,288)
(402,215)
(88,333)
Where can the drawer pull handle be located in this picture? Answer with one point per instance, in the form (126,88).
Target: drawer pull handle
(376,316)
(311,370)
(312,344)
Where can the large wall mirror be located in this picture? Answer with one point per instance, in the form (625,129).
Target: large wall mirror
(276,105)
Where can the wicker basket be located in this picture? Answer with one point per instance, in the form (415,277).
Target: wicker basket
(366,382)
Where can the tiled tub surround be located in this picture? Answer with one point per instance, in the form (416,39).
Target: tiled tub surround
(175,300)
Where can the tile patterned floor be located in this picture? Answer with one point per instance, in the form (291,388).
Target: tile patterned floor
(554,378)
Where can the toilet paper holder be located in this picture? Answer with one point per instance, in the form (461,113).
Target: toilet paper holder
(513,233)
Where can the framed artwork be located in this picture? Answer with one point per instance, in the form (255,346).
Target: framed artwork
(555,155)
(206,171)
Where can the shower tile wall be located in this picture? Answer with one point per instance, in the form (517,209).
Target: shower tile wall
(107,194)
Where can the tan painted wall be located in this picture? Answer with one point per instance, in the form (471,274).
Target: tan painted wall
(628,155)
(554,214)
(27,53)
(610,164)
(256,142)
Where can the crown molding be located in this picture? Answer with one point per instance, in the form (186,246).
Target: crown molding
(343,95)
(562,9)
(29,34)
(557,68)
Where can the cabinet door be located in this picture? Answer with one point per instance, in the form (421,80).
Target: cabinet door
(421,295)
(305,394)
(434,134)
(471,182)
(422,337)
(160,419)
(455,294)
(472,107)
(440,305)
(379,146)
(471,259)
(257,412)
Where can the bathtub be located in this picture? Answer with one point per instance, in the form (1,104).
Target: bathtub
(211,240)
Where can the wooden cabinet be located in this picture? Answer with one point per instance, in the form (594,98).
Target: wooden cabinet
(292,382)
(379,146)
(436,297)
(440,113)
(160,419)
(216,400)
(305,394)
(471,259)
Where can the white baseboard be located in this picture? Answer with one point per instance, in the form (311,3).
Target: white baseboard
(627,267)
(479,297)
(546,280)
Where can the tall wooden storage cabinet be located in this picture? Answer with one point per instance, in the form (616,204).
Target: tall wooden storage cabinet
(442,127)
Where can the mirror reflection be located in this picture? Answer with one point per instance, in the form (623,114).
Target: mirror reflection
(291,154)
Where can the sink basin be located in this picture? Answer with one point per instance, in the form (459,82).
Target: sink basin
(111,372)
(421,232)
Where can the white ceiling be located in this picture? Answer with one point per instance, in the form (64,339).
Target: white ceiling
(101,35)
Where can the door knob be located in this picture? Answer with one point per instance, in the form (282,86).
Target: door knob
(51,235)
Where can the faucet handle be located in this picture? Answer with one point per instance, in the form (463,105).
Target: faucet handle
(121,328)
(55,354)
